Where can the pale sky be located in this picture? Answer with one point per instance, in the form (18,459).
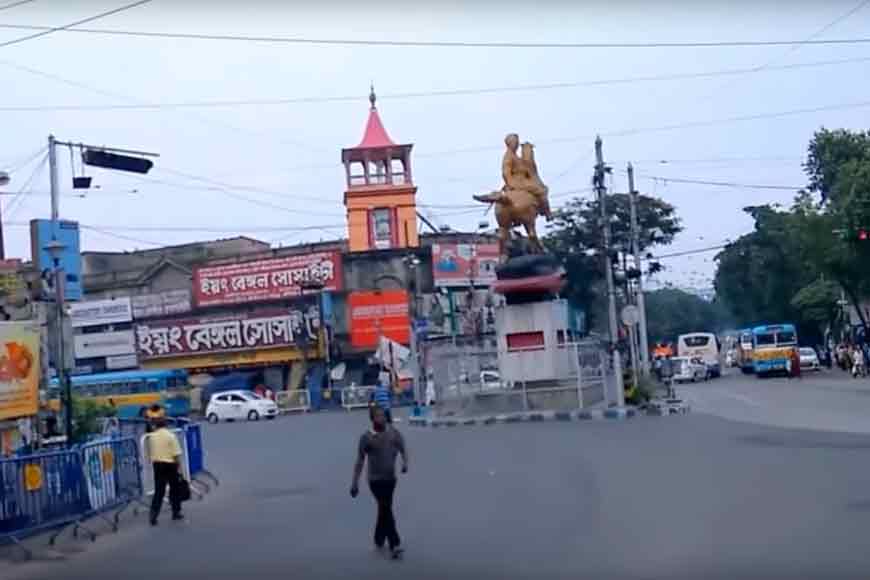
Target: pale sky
(280,163)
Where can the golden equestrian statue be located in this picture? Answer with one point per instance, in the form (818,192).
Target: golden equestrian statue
(522,198)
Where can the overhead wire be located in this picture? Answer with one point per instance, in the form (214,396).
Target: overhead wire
(22,192)
(52,29)
(439,43)
(15,4)
(283,101)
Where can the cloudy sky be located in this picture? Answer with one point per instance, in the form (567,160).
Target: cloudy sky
(250,131)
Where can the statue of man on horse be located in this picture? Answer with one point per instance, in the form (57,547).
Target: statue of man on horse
(522,198)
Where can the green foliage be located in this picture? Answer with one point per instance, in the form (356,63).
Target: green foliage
(672,312)
(575,237)
(795,262)
(86,417)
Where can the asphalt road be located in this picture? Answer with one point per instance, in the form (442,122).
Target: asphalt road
(677,497)
(829,400)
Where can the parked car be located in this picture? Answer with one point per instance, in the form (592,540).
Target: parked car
(809,359)
(238,405)
(689,370)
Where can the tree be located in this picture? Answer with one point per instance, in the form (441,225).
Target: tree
(575,237)
(672,312)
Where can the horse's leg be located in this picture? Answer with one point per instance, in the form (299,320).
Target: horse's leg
(504,238)
(532,232)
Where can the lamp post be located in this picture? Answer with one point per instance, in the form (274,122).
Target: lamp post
(413,263)
(55,249)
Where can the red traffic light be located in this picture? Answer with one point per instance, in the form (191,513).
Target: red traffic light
(862,234)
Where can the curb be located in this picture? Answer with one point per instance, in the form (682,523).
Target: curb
(618,413)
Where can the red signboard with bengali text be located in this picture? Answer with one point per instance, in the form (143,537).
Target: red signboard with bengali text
(267,279)
(378,313)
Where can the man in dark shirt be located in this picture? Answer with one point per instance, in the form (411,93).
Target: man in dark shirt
(381,445)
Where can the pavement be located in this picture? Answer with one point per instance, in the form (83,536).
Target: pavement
(690,496)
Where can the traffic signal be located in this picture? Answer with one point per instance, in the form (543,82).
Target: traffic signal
(862,234)
(100,158)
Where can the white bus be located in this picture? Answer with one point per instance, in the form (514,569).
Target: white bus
(702,345)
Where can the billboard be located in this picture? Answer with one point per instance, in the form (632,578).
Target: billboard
(164,303)
(268,279)
(42,232)
(240,331)
(103,344)
(462,264)
(378,313)
(20,369)
(97,312)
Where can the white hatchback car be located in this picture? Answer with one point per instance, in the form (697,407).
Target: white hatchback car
(689,370)
(238,405)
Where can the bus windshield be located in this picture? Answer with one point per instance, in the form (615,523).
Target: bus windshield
(768,339)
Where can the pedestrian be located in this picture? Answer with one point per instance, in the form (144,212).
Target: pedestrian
(165,454)
(795,363)
(152,414)
(381,445)
(666,371)
(382,398)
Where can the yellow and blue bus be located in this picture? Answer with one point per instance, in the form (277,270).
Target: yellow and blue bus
(131,392)
(744,351)
(772,347)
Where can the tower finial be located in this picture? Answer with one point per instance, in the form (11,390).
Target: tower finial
(372,97)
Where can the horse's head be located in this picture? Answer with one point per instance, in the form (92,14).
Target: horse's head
(528,151)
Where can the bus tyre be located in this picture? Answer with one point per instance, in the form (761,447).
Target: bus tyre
(253,416)
(213,418)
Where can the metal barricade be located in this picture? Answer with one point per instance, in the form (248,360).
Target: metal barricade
(356,397)
(196,458)
(293,400)
(38,492)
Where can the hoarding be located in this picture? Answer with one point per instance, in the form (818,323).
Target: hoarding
(103,344)
(265,328)
(19,369)
(464,264)
(166,303)
(378,313)
(97,312)
(42,232)
(268,279)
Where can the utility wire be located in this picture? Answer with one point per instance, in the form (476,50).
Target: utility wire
(687,252)
(45,31)
(196,228)
(718,183)
(283,101)
(439,43)
(16,200)
(14,4)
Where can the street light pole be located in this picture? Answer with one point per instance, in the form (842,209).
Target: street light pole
(643,339)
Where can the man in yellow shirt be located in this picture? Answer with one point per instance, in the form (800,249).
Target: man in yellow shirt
(165,454)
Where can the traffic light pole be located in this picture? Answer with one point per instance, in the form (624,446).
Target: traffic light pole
(600,172)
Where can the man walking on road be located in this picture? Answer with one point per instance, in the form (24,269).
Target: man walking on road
(381,445)
(165,455)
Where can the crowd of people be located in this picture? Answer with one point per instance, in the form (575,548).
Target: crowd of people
(852,358)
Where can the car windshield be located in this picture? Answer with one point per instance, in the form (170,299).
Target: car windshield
(807,352)
(251,396)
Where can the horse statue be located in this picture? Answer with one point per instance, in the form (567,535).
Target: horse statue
(522,198)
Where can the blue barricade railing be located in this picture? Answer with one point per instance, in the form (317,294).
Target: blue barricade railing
(63,488)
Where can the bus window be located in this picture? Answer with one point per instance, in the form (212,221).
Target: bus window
(786,337)
(765,339)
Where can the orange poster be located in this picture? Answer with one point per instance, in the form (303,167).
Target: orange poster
(19,369)
(374,314)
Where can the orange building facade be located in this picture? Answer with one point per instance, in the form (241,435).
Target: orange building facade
(380,195)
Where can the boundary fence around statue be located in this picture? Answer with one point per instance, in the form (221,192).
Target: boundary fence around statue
(98,480)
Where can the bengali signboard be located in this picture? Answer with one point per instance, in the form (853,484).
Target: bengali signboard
(166,303)
(265,328)
(19,369)
(268,279)
(97,312)
(461,264)
(376,314)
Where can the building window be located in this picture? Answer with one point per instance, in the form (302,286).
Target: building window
(382,228)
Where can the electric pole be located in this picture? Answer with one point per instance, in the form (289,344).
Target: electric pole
(601,188)
(643,339)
